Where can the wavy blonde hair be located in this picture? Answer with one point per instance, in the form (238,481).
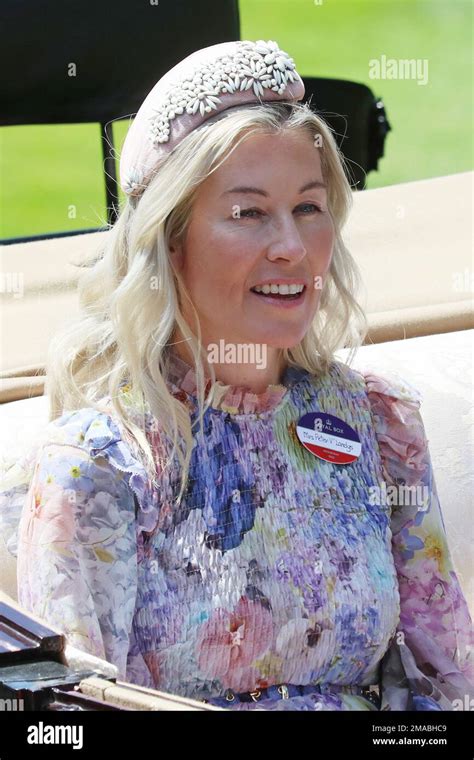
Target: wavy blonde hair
(124,326)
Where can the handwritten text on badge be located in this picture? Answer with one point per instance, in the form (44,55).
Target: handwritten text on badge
(328,437)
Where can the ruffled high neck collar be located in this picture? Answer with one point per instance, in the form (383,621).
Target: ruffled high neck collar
(232,399)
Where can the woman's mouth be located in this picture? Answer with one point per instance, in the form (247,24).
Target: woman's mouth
(280,295)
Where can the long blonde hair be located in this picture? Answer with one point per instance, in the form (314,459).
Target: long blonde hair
(124,324)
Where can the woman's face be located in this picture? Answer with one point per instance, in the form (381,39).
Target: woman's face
(258,219)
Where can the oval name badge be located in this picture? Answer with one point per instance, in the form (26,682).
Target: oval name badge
(328,437)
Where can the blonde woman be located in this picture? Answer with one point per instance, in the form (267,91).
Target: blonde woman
(208,511)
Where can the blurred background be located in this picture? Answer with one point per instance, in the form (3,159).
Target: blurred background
(47,169)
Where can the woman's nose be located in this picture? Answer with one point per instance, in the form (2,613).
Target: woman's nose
(287,243)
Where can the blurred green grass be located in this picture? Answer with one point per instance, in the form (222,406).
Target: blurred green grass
(51,176)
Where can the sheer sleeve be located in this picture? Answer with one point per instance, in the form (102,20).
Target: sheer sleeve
(429,663)
(77,544)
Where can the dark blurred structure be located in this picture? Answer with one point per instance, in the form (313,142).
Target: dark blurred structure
(35,675)
(120,51)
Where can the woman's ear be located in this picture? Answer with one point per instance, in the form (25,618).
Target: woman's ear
(176,252)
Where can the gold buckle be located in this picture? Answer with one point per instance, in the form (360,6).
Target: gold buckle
(255,695)
(283,690)
(229,695)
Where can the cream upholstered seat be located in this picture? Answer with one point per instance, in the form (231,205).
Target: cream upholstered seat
(440,366)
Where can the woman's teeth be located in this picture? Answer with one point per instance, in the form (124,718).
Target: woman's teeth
(282,290)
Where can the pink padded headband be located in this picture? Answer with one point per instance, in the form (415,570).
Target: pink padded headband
(200,86)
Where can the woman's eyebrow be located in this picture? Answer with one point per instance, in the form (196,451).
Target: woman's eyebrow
(245,189)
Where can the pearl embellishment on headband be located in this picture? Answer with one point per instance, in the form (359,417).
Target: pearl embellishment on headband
(258,65)
(206,83)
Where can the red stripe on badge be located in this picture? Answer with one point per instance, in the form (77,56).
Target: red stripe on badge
(339,457)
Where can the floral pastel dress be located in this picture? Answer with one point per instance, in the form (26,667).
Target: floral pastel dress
(279,576)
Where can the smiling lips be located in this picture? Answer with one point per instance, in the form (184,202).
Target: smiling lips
(280,293)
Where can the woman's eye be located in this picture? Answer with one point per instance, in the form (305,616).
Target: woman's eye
(311,206)
(252,213)
(247,212)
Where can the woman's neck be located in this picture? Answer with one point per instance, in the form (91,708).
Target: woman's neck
(238,365)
